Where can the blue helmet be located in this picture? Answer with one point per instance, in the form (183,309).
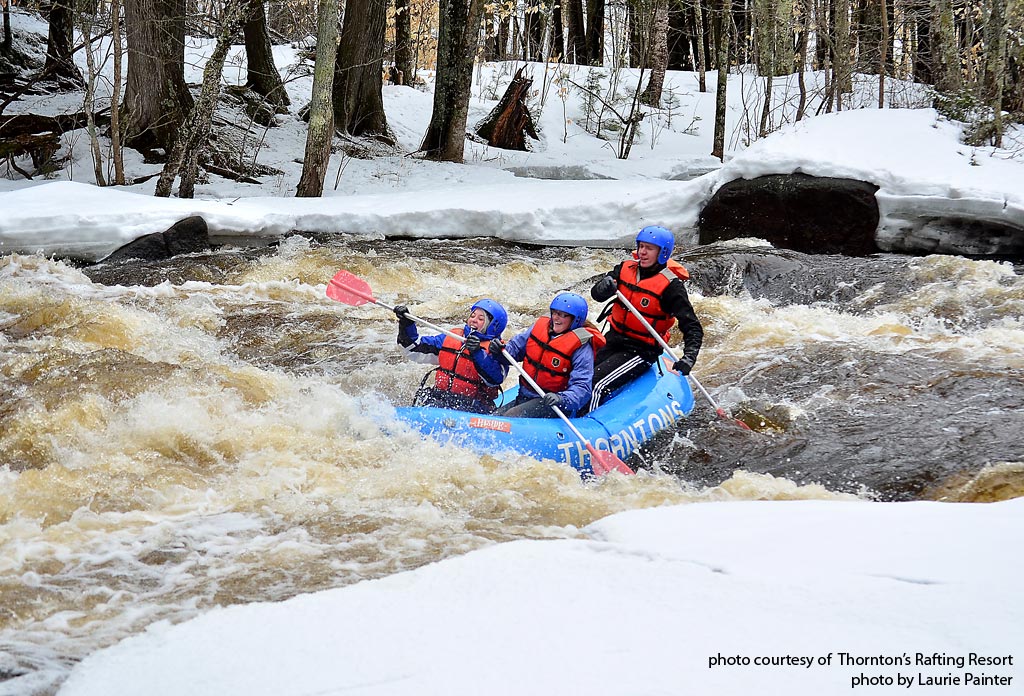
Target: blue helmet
(571,303)
(497,314)
(659,237)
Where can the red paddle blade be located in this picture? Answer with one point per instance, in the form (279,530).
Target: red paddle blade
(724,416)
(603,461)
(350,289)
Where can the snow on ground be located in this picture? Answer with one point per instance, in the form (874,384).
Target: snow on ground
(825,592)
(913,155)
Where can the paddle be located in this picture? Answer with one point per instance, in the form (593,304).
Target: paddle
(601,461)
(668,349)
(354,291)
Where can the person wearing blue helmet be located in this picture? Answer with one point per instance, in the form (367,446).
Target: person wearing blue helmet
(468,377)
(558,353)
(653,283)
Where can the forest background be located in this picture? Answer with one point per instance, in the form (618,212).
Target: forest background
(963,57)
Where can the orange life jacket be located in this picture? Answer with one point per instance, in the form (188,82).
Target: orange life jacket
(548,358)
(457,373)
(645,295)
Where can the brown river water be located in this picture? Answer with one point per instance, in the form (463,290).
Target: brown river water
(213,430)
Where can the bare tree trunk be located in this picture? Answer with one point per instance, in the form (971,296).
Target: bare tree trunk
(116,151)
(59,61)
(638,36)
(595,32)
(724,22)
(90,98)
(445,139)
(358,102)
(995,66)
(403,41)
(557,34)
(8,37)
(765,12)
(184,158)
(657,55)
(261,72)
(504,29)
(698,18)
(156,96)
(806,10)
(321,110)
(576,44)
(945,61)
(883,51)
(533,31)
(841,60)
(922,55)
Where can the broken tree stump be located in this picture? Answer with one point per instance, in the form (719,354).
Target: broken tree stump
(510,121)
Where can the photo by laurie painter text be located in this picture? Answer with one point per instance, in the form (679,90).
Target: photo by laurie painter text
(905,670)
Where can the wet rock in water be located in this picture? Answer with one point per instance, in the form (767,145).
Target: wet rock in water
(183,237)
(941,226)
(996,482)
(903,427)
(788,277)
(821,215)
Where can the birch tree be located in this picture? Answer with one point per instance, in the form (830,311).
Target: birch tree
(184,158)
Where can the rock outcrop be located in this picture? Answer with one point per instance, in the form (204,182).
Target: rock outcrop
(818,215)
(183,237)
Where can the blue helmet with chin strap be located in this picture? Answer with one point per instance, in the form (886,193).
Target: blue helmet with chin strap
(659,237)
(573,304)
(497,314)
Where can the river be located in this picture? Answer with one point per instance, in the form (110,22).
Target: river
(210,430)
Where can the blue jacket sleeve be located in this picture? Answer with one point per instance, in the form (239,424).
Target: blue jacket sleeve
(421,349)
(578,392)
(516,347)
(491,369)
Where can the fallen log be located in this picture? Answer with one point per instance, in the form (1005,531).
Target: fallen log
(40,147)
(22,124)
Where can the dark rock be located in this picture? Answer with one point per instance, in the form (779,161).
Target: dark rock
(184,237)
(819,215)
(940,231)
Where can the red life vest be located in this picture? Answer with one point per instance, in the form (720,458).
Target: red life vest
(548,358)
(457,372)
(645,295)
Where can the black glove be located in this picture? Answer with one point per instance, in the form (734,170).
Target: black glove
(472,343)
(683,365)
(496,347)
(401,311)
(551,399)
(604,289)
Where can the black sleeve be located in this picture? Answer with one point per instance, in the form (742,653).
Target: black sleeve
(614,275)
(676,302)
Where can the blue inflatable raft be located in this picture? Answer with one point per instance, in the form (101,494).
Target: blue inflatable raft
(631,417)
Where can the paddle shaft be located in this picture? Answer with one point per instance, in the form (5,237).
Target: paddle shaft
(668,349)
(536,387)
(411,317)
